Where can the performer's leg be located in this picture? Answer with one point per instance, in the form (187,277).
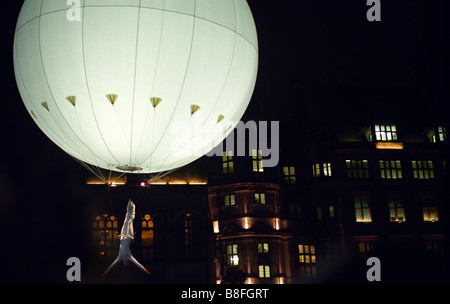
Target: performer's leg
(112,265)
(132,259)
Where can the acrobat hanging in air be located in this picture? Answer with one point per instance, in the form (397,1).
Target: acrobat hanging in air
(126,237)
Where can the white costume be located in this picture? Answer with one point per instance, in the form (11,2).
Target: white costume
(126,236)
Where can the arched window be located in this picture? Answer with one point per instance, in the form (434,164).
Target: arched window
(148,237)
(105,233)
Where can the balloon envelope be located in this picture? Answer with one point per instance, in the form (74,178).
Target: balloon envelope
(136,85)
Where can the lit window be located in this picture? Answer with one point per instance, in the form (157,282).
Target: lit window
(260,198)
(357,169)
(326,169)
(365,249)
(306,254)
(148,237)
(264,271)
(319,169)
(442,133)
(229,200)
(390,169)
(216,227)
(331,210)
(264,260)
(105,234)
(362,210)
(430,214)
(289,175)
(263,247)
(396,211)
(257,161)
(227,162)
(423,169)
(232,255)
(316,170)
(385,132)
(307,260)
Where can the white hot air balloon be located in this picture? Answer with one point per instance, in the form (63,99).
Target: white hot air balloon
(109,88)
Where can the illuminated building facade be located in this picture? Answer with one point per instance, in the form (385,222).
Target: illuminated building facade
(342,192)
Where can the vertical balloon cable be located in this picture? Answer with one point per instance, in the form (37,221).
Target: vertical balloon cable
(153,134)
(134,83)
(96,173)
(72,100)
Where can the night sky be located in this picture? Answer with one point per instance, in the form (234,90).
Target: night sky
(305,45)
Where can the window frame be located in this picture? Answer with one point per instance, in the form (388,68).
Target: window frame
(390,169)
(396,209)
(428,211)
(422,169)
(289,175)
(257,164)
(227,162)
(148,251)
(441,133)
(363,210)
(232,255)
(262,247)
(357,169)
(307,260)
(321,169)
(259,198)
(385,132)
(264,271)
(229,200)
(105,232)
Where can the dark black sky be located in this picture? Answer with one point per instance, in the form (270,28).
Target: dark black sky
(327,44)
(310,46)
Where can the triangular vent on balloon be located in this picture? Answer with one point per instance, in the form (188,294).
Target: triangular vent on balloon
(45,105)
(112,98)
(155,101)
(194,108)
(72,100)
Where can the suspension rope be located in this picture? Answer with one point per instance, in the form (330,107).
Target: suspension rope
(98,173)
